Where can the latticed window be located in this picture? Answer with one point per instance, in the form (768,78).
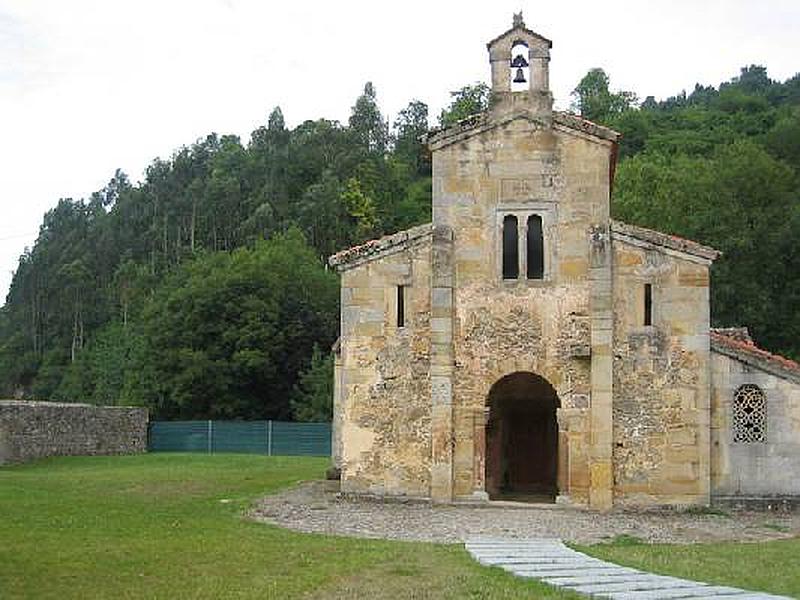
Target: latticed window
(749,415)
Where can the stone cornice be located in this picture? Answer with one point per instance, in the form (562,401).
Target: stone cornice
(480,122)
(374,248)
(641,236)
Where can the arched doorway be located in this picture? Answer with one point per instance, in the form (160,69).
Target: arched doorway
(522,439)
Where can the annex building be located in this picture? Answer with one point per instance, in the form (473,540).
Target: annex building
(525,345)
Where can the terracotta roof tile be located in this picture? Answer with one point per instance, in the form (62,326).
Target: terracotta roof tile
(374,247)
(728,342)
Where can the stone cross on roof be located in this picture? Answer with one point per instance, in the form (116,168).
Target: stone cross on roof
(518,22)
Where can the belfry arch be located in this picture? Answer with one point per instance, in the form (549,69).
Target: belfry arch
(522,439)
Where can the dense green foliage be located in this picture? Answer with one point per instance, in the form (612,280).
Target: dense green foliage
(722,166)
(313,393)
(593,99)
(201,291)
(466,102)
(171,526)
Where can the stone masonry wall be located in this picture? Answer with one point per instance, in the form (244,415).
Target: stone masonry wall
(522,166)
(661,384)
(767,469)
(31,430)
(384,374)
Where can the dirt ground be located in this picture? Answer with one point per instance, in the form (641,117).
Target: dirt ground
(317,507)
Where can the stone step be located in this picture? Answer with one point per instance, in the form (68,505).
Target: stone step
(698,591)
(554,563)
(585,575)
(542,560)
(695,593)
(642,580)
(607,587)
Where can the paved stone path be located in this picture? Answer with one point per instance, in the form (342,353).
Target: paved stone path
(554,563)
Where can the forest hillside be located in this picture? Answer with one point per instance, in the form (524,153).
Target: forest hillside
(202,291)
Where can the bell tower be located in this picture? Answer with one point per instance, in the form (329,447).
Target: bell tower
(520,61)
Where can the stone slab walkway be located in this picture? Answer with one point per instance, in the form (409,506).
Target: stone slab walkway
(550,561)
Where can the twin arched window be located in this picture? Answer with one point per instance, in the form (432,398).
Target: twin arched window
(534,247)
(749,415)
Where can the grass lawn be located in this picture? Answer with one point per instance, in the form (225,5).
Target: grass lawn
(171,526)
(767,566)
(156,526)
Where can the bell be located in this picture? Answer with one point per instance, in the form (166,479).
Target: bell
(520,76)
(519,61)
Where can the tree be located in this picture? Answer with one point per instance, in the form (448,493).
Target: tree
(410,127)
(228,335)
(752,79)
(361,209)
(367,123)
(312,399)
(468,101)
(594,101)
(741,201)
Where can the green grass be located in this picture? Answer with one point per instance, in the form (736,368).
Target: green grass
(766,566)
(171,526)
(156,526)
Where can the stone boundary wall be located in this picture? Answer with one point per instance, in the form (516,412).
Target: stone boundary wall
(31,430)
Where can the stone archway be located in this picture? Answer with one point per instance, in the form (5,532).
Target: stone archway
(522,439)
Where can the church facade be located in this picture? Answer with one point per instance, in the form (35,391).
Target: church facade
(526,346)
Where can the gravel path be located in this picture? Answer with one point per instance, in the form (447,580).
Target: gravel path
(316,507)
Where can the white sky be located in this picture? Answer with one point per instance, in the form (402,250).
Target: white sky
(90,86)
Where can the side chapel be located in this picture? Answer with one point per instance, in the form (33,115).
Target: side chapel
(527,346)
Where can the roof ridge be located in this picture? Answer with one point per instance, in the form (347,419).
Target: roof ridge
(381,244)
(566,119)
(667,240)
(583,124)
(727,343)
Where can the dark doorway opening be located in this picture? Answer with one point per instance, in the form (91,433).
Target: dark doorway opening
(522,439)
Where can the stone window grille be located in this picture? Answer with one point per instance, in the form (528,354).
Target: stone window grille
(749,415)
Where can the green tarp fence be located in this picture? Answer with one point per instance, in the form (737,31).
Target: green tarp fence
(255,437)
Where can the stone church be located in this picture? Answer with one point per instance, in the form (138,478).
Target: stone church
(526,346)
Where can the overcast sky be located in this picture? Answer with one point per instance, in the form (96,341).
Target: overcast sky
(90,86)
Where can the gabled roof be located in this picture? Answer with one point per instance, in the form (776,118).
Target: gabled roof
(480,122)
(373,248)
(578,123)
(519,27)
(732,343)
(619,230)
(626,232)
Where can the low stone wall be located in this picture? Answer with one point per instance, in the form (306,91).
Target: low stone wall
(31,430)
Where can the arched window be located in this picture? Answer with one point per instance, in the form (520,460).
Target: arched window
(535,252)
(749,415)
(510,247)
